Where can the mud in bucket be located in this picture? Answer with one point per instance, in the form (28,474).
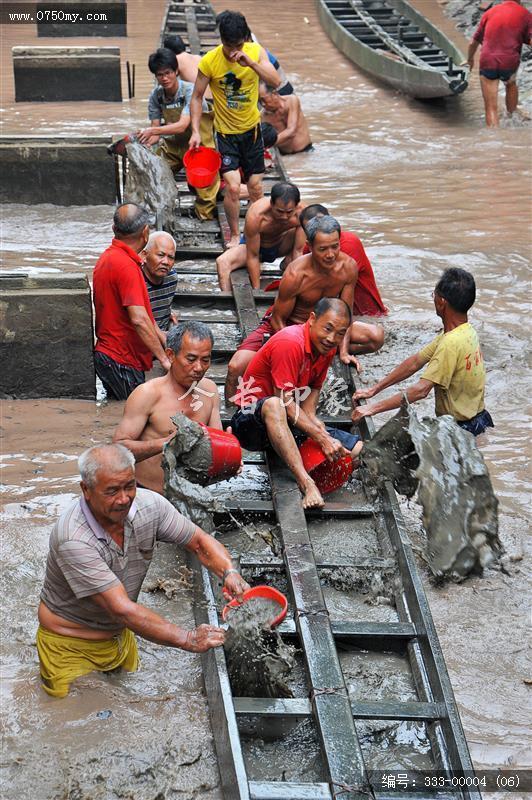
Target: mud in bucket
(202,166)
(276,597)
(327,475)
(226,453)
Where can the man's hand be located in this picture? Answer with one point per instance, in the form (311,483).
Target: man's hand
(194,142)
(235,586)
(332,448)
(203,638)
(364,394)
(147,137)
(348,359)
(165,363)
(241,58)
(360,412)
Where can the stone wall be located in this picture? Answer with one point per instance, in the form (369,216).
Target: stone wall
(46,338)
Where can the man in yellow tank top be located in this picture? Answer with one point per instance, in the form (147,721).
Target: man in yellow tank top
(455,367)
(233,71)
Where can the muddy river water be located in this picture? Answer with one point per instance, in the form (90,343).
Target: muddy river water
(425,187)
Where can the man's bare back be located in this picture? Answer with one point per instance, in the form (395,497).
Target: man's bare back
(147,418)
(290,123)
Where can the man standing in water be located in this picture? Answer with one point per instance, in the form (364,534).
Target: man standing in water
(232,71)
(146,425)
(126,333)
(286,116)
(455,365)
(502,31)
(272,229)
(281,389)
(100,551)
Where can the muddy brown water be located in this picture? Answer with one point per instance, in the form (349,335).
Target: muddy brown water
(425,187)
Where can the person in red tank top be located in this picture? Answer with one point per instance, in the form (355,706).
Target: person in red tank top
(502,31)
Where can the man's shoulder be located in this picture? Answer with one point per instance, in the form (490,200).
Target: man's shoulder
(210,57)
(208,385)
(148,393)
(347,266)
(71,526)
(150,507)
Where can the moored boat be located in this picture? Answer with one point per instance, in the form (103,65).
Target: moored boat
(393,42)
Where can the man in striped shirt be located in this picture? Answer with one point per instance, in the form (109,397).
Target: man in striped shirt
(161,279)
(100,552)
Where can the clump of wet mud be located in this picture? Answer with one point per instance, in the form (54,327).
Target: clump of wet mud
(377,585)
(442,462)
(150,182)
(258,661)
(186,460)
(171,587)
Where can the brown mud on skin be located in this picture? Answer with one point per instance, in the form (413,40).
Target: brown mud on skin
(258,661)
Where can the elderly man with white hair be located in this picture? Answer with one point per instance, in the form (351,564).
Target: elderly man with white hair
(161,279)
(100,551)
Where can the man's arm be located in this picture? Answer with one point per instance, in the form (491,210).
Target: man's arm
(137,413)
(292,120)
(264,69)
(348,295)
(252,236)
(299,417)
(472,49)
(416,392)
(146,330)
(148,136)
(285,301)
(300,240)
(215,557)
(215,420)
(196,106)
(407,368)
(164,130)
(150,625)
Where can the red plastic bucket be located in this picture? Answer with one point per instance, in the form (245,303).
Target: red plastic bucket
(201,166)
(226,453)
(327,475)
(269,593)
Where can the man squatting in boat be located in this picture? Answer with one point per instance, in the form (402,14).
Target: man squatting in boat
(453,363)
(232,71)
(324,272)
(100,551)
(280,391)
(502,31)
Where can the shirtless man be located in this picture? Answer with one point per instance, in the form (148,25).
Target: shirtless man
(324,272)
(286,116)
(271,230)
(146,425)
(187,62)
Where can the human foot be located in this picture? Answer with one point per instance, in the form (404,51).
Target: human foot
(311,496)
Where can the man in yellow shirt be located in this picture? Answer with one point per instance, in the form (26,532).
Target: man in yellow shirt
(455,367)
(233,71)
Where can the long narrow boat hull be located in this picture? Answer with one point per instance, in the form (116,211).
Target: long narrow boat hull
(416,81)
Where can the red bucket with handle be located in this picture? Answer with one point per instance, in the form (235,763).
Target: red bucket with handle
(226,453)
(265,592)
(327,475)
(202,164)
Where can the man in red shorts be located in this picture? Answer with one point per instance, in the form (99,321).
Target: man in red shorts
(279,395)
(502,31)
(324,272)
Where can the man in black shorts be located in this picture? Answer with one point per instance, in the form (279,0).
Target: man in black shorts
(233,71)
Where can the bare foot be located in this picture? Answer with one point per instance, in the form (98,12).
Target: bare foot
(311,496)
(233,242)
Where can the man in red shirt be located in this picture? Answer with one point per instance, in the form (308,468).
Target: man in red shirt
(279,394)
(125,328)
(502,31)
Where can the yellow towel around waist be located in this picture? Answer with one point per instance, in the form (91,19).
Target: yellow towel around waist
(64,658)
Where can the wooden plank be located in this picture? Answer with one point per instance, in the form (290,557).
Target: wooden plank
(277,790)
(249,562)
(301,707)
(330,509)
(362,633)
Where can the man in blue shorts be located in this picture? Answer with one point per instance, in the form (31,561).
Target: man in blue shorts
(280,390)
(271,230)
